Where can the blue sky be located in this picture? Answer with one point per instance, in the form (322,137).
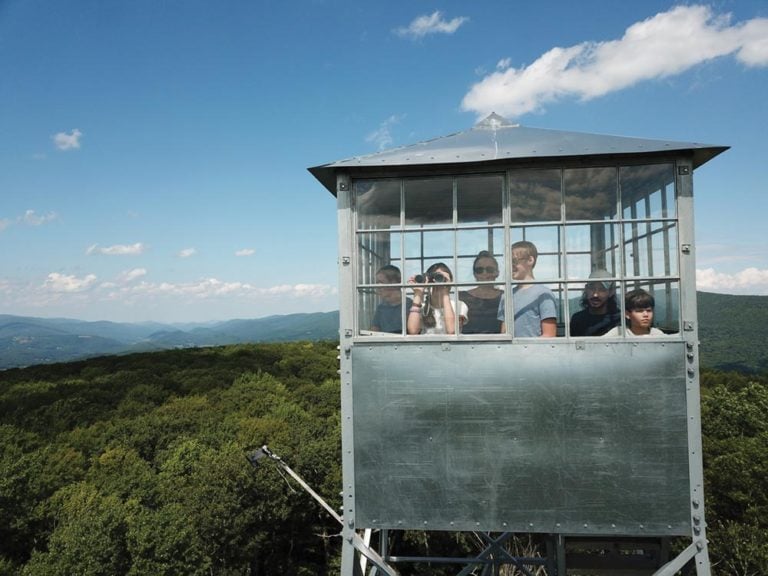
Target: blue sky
(153,153)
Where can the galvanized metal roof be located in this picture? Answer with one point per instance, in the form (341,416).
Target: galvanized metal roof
(494,139)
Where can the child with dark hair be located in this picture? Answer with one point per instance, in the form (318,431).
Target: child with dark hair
(638,310)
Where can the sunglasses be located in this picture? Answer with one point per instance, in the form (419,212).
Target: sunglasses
(485,269)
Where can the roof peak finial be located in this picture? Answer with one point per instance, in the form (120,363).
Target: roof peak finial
(493,121)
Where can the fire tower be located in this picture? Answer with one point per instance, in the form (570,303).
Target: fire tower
(594,443)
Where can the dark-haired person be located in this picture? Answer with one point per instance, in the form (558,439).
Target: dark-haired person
(483,300)
(388,316)
(600,311)
(638,310)
(432,309)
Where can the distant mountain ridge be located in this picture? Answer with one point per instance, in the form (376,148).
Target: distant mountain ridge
(733,331)
(25,341)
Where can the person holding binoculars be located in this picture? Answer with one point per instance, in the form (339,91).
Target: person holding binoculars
(432,311)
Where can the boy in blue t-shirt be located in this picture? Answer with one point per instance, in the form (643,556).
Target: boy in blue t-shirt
(534,304)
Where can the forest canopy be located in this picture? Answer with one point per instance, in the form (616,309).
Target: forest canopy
(134,465)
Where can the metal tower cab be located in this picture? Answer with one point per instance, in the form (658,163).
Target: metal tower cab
(494,429)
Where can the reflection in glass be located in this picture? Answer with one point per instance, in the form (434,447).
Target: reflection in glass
(591,247)
(429,202)
(478,199)
(377,203)
(534,195)
(650,249)
(590,193)
(376,249)
(648,191)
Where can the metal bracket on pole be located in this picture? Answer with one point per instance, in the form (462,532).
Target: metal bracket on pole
(352,537)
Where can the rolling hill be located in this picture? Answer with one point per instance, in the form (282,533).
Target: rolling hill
(733,331)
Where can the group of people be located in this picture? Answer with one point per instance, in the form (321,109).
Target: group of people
(481,310)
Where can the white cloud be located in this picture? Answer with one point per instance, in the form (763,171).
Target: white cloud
(56,282)
(4,223)
(128,276)
(665,45)
(187,252)
(64,141)
(430,24)
(748,281)
(245,252)
(117,249)
(382,136)
(31,218)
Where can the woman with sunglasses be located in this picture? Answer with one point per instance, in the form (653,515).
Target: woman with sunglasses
(432,311)
(483,300)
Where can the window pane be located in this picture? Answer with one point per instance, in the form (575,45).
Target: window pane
(376,249)
(650,249)
(534,195)
(546,239)
(648,191)
(422,249)
(590,193)
(428,202)
(377,203)
(471,243)
(591,247)
(478,199)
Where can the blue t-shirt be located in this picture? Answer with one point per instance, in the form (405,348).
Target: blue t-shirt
(389,317)
(533,304)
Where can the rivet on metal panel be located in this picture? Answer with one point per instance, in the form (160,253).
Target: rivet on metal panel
(699,546)
(689,345)
(343,186)
(581,346)
(445,347)
(691,371)
(696,519)
(685,248)
(695,502)
(345,260)
(690,356)
(683,170)
(688,326)
(347,333)
(697,530)
(642,527)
